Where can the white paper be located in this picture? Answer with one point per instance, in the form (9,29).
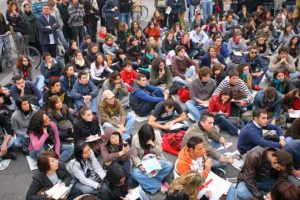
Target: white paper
(168,10)
(4,164)
(32,163)
(229,144)
(58,191)
(214,186)
(134,194)
(237,53)
(238,161)
(92,138)
(296,114)
(176,126)
(151,164)
(236,101)
(204,105)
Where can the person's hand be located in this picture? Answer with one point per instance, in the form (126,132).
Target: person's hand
(3,149)
(200,43)
(161,73)
(283,60)
(121,128)
(104,78)
(151,143)
(229,160)
(118,86)
(268,196)
(49,65)
(208,194)
(124,151)
(282,142)
(243,103)
(113,9)
(71,110)
(296,173)
(222,141)
(189,80)
(167,126)
(208,164)
(273,121)
(142,168)
(171,123)
(291,110)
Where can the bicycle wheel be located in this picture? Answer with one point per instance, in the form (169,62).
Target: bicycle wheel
(144,13)
(34,56)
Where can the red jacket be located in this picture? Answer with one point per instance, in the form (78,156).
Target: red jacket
(152,32)
(128,77)
(215,106)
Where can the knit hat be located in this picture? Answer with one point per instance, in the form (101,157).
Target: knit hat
(107,94)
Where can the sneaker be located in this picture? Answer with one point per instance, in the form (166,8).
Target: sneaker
(9,155)
(164,187)
(190,116)
(220,172)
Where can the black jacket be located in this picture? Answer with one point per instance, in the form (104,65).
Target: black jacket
(83,129)
(40,181)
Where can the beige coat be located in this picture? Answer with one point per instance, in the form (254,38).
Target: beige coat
(136,7)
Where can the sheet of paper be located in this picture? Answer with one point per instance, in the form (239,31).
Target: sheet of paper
(205,105)
(4,164)
(213,183)
(237,53)
(32,163)
(238,161)
(296,114)
(58,191)
(92,138)
(134,194)
(229,144)
(176,126)
(151,164)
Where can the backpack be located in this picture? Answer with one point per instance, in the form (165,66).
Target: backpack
(171,142)
(184,94)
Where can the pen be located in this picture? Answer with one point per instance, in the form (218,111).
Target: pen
(205,184)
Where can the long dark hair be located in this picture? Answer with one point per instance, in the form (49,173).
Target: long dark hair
(226,92)
(19,102)
(146,133)
(156,62)
(36,125)
(19,63)
(78,150)
(113,177)
(52,102)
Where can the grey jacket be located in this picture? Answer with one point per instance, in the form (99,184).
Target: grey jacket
(119,93)
(195,130)
(200,91)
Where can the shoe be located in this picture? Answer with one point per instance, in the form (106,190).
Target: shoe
(9,155)
(164,187)
(220,172)
(257,88)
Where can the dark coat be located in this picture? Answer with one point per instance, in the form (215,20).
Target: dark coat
(83,129)
(44,32)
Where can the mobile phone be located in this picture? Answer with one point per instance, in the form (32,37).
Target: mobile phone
(125,144)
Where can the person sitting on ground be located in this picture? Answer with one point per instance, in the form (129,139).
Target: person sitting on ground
(211,138)
(80,62)
(86,169)
(281,83)
(147,143)
(85,126)
(262,167)
(291,101)
(91,54)
(168,43)
(217,73)
(200,93)
(284,190)
(166,114)
(23,88)
(116,85)
(284,62)
(113,115)
(192,157)
(257,65)
(144,97)
(55,89)
(68,78)
(210,58)
(99,70)
(43,135)
(219,106)
(115,185)
(59,113)
(183,68)
(110,47)
(84,92)
(270,100)
(245,74)
(146,61)
(50,172)
(160,74)
(50,67)
(128,75)
(251,134)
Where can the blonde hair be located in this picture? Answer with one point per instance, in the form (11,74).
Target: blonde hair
(189,183)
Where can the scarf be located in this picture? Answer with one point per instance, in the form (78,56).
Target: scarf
(278,85)
(235,41)
(149,56)
(187,43)
(102,35)
(78,62)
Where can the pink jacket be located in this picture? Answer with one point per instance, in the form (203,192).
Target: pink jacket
(37,143)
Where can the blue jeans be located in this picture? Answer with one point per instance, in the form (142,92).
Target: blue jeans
(192,10)
(92,31)
(66,151)
(85,189)
(126,18)
(226,124)
(40,82)
(231,193)
(257,80)
(4,40)
(93,106)
(153,184)
(190,73)
(292,75)
(195,109)
(243,192)
(62,39)
(207,7)
(128,126)
(292,146)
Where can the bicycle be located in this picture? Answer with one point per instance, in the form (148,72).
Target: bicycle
(22,48)
(144,13)
(6,52)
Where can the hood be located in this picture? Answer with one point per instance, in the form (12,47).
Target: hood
(107,134)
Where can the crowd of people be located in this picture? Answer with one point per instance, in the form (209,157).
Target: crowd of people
(76,116)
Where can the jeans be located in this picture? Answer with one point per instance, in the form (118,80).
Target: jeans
(62,39)
(40,82)
(77,33)
(128,126)
(66,151)
(292,146)
(136,16)
(226,124)
(195,109)
(243,192)
(190,73)
(257,80)
(85,189)
(125,18)
(207,8)
(92,31)
(192,10)
(152,184)
(51,48)
(93,106)
(4,40)
(292,75)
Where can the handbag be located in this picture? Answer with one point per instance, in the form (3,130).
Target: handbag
(161,3)
(92,175)
(65,125)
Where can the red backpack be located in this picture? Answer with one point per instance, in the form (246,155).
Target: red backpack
(172,142)
(184,94)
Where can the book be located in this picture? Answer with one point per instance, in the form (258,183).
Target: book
(296,114)
(134,194)
(238,53)
(58,191)
(151,164)
(227,145)
(238,160)
(92,138)
(213,183)
(176,126)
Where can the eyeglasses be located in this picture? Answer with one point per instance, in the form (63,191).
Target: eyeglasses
(253,52)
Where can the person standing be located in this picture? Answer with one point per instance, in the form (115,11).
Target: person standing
(76,15)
